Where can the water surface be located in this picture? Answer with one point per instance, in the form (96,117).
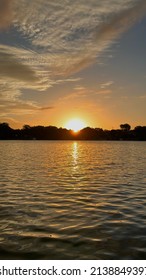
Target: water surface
(72,200)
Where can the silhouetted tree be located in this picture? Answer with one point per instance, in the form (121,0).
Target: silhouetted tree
(140,132)
(53,133)
(26,126)
(6,132)
(125,127)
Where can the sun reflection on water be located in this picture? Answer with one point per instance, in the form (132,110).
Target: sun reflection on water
(75,155)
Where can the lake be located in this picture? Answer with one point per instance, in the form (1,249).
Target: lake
(72,200)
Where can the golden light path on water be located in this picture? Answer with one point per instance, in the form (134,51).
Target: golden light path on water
(75,153)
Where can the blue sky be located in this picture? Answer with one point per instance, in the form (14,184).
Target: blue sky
(73,59)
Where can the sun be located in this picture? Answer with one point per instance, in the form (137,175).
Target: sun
(75,124)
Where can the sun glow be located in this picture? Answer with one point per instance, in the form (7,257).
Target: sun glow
(75,124)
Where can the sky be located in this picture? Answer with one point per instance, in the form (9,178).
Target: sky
(67,59)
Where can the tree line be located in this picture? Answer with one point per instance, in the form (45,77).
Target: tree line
(53,133)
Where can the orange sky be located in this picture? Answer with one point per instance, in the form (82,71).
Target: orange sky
(78,59)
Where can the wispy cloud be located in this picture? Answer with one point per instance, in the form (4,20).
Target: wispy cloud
(61,38)
(120,22)
(46,108)
(142,96)
(10,66)
(73,33)
(80,88)
(104,92)
(19,107)
(107,84)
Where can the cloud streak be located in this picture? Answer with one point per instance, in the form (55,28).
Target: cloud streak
(11,67)
(120,22)
(107,84)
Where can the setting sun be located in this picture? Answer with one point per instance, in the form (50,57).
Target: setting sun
(75,124)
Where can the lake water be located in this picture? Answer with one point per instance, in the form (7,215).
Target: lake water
(72,200)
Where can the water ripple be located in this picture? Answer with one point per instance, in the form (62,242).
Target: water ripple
(72,200)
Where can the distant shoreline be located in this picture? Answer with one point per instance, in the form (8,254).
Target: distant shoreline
(67,140)
(85,134)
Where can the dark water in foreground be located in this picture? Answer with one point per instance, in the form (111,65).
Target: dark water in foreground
(72,200)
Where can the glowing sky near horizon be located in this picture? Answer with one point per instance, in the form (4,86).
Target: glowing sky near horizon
(73,59)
